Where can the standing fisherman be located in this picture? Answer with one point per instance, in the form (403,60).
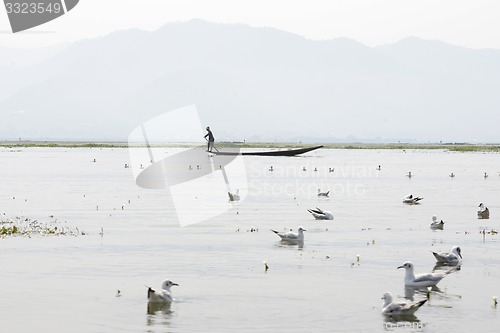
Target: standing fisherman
(211,139)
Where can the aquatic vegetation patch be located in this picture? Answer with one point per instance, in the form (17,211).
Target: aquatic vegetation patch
(9,230)
(21,226)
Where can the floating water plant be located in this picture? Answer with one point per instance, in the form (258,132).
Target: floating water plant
(21,226)
(9,230)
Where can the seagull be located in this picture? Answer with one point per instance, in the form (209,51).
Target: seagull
(234,196)
(291,236)
(421,280)
(391,308)
(454,257)
(410,199)
(483,212)
(323,194)
(162,296)
(436,224)
(321,214)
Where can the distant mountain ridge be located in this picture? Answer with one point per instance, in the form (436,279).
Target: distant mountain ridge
(255,84)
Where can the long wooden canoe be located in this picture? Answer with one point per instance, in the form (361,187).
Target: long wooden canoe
(288,152)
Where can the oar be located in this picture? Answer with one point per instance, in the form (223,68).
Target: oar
(213,146)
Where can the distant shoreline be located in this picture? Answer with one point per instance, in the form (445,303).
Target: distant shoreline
(461,147)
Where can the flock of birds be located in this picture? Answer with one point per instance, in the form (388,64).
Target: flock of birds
(400,308)
(390,307)
(319,214)
(424,280)
(404,308)
(482,213)
(164,294)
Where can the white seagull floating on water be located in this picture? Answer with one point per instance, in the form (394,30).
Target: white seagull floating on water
(421,280)
(410,199)
(320,214)
(323,194)
(391,308)
(234,196)
(454,257)
(483,212)
(291,236)
(436,224)
(162,296)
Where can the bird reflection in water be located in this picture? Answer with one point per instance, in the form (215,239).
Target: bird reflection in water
(423,291)
(410,321)
(159,314)
(298,244)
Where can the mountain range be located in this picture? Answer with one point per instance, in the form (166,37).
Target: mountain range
(254,84)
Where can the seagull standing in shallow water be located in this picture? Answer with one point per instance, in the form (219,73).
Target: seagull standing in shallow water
(421,280)
(454,257)
(391,308)
(291,236)
(162,296)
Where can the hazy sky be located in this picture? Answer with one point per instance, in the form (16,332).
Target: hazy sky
(468,23)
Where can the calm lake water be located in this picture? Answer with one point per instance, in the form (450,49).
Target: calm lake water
(132,238)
